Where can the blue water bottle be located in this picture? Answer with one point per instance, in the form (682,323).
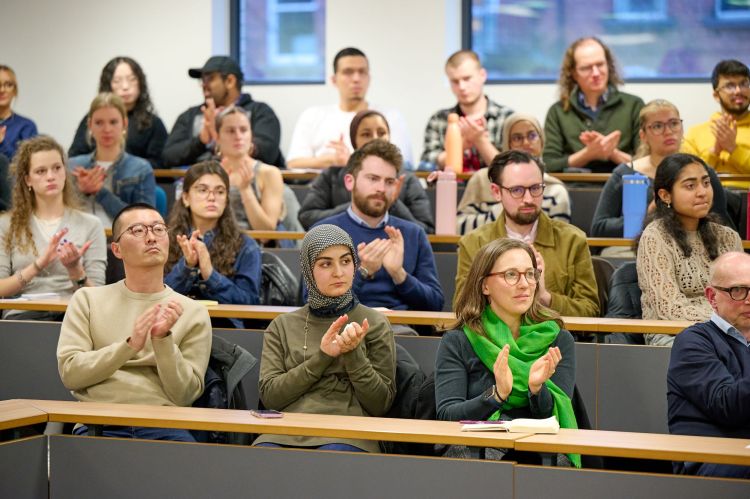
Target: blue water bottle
(634,203)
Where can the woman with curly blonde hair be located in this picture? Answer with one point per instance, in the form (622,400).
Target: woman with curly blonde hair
(47,245)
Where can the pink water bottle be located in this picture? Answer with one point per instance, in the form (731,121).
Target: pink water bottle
(445,199)
(454,150)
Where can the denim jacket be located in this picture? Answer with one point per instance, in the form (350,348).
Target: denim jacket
(243,288)
(132,182)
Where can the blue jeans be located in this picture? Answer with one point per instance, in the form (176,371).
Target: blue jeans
(141,432)
(338,447)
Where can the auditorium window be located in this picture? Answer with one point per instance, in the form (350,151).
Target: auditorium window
(653,40)
(279,41)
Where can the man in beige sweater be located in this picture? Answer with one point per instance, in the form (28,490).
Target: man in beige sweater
(136,341)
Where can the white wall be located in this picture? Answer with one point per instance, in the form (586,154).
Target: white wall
(59,48)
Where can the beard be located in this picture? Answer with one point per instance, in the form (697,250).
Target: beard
(733,109)
(368,205)
(524,218)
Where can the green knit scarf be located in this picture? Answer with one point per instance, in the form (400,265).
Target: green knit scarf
(533,342)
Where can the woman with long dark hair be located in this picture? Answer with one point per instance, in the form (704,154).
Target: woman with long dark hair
(511,357)
(209,258)
(147,135)
(679,242)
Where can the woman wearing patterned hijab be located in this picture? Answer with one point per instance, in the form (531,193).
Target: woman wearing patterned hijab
(332,356)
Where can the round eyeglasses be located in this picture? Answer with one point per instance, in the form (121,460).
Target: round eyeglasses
(519,191)
(659,127)
(140,230)
(512,276)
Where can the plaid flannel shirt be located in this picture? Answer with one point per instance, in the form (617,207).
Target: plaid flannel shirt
(434,134)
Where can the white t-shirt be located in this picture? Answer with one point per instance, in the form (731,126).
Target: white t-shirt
(319,125)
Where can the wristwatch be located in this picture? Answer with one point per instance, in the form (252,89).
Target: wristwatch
(364,272)
(81,282)
(489,394)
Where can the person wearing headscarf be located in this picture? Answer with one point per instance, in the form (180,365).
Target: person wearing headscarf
(331,356)
(478,205)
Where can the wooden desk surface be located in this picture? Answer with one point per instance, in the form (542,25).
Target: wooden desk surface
(17,413)
(641,445)
(287,174)
(441,320)
(317,425)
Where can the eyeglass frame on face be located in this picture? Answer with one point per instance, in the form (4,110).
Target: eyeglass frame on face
(153,227)
(731,87)
(7,85)
(532,276)
(220,192)
(730,291)
(520,194)
(659,127)
(589,69)
(518,138)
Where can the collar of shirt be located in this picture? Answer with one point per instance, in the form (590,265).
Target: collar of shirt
(728,329)
(527,238)
(361,222)
(585,107)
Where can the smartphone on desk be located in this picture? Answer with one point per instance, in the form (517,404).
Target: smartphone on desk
(266,413)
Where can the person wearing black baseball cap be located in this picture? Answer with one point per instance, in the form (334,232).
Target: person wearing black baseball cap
(193,136)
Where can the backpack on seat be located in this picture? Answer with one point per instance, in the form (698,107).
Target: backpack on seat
(278,286)
(229,363)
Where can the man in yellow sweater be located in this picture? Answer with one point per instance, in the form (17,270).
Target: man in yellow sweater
(724,140)
(136,341)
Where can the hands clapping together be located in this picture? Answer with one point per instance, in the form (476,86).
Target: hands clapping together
(384,253)
(541,370)
(196,253)
(155,322)
(335,343)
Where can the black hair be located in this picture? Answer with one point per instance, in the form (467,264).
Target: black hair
(144,108)
(130,207)
(347,52)
(666,176)
(728,67)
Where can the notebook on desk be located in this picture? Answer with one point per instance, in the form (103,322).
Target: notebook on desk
(521,425)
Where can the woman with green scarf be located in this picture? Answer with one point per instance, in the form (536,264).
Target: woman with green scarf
(510,357)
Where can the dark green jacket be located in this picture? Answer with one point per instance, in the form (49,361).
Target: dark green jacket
(562,128)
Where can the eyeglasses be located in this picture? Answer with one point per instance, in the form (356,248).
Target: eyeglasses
(119,82)
(736,293)
(516,139)
(202,191)
(7,85)
(519,191)
(587,70)
(735,87)
(659,127)
(512,276)
(140,230)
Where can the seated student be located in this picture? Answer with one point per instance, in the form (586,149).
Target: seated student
(678,243)
(320,138)
(47,245)
(510,358)
(661,135)
(136,341)
(109,178)
(124,77)
(593,125)
(328,195)
(478,205)
(708,380)
(398,268)
(257,192)
(481,120)
(568,285)
(13,127)
(312,363)
(193,136)
(209,258)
